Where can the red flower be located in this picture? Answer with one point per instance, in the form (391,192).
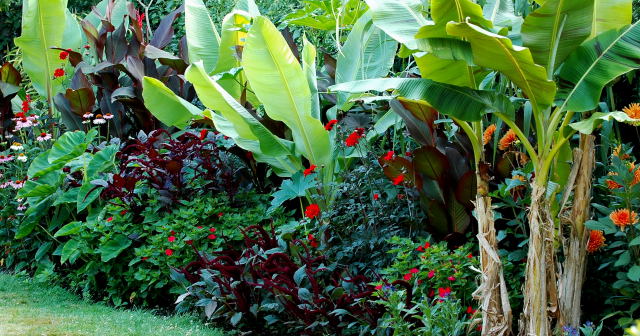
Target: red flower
(86,46)
(444,292)
(171,239)
(220,214)
(431,293)
(200,227)
(407,276)
(389,155)
(378,287)
(145,258)
(312,241)
(420,248)
(189,242)
(310,170)
(470,256)
(427,245)
(375,197)
(123,212)
(64,55)
(172,232)
(212,230)
(109,219)
(398,180)
(470,310)
(140,19)
(203,134)
(431,274)
(413,270)
(312,211)
(330,124)
(212,236)
(409,154)
(354,137)
(168,252)
(58,73)
(451,278)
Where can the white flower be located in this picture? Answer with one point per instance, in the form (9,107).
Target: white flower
(22,157)
(108,116)
(22,207)
(44,137)
(98,120)
(23,123)
(86,121)
(16,146)
(87,115)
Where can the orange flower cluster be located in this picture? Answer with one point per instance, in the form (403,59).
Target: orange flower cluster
(623,218)
(596,241)
(488,133)
(633,111)
(507,140)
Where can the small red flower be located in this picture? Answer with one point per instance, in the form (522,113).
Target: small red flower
(58,73)
(354,137)
(312,211)
(408,154)
(168,252)
(145,258)
(200,227)
(431,274)
(310,170)
(470,256)
(312,241)
(86,46)
(378,287)
(444,292)
(431,293)
(376,197)
(63,55)
(220,214)
(407,276)
(389,155)
(398,180)
(212,230)
(109,219)
(172,233)
(330,124)
(123,212)
(470,310)
(212,236)
(140,19)
(171,239)
(203,134)
(420,249)
(189,242)
(451,278)
(413,270)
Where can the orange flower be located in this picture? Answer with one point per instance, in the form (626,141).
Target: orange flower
(596,241)
(636,177)
(507,140)
(612,184)
(488,133)
(616,152)
(623,218)
(633,111)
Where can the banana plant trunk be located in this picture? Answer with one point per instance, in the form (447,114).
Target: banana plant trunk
(540,289)
(492,292)
(574,266)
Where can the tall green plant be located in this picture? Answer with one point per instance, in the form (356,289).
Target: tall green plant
(46,24)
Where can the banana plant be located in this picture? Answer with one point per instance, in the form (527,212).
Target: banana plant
(46,25)
(557,36)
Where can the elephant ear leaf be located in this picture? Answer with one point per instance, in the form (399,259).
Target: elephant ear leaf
(498,53)
(279,82)
(596,63)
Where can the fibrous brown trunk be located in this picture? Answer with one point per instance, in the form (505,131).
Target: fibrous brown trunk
(572,274)
(540,291)
(492,292)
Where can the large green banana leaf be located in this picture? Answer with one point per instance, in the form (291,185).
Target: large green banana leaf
(501,13)
(166,105)
(444,11)
(202,37)
(555,29)
(234,121)
(46,24)
(445,71)
(498,53)
(278,81)
(596,63)
(228,58)
(248,6)
(459,102)
(400,19)
(309,67)
(368,53)
(610,14)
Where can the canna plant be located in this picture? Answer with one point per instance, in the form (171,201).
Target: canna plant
(574,71)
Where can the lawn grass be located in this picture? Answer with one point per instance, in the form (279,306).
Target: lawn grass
(28,308)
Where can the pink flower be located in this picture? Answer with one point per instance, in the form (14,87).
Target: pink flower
(168,252)
(431,274)
(171,239)
(452,278)
(212,236)
(109,219)
(212,230)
